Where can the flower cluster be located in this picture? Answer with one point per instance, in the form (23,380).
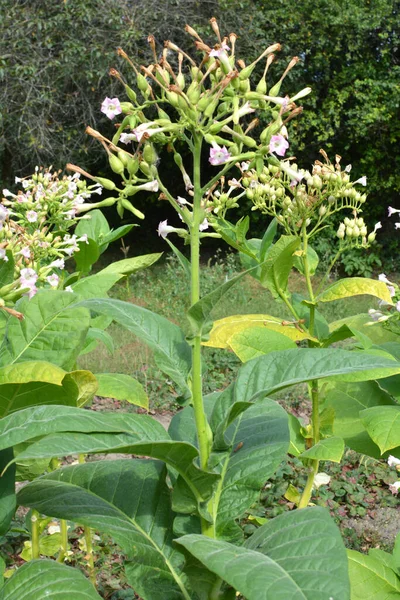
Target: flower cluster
(177,98)
(34,225)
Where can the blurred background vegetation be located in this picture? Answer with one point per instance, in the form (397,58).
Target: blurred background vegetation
(55,57)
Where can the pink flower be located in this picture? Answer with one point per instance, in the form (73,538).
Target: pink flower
(4,212)
(53,280)
(111,107)
(125,138)
(26,253)
(32,216)
(394,488)
(218,155)
(278,144)
(28,278)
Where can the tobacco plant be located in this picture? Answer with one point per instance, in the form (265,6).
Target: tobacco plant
(176,513)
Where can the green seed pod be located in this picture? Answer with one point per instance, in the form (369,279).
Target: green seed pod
(249,141)
(130,93)
(203,103)
(262,87)
(144,167)
(106,183)
(127,107)
(178,160)
(180,80)
(128,206)
(274,91)
(209,111)
(123,157)
(196,73)
(132,121)
(143,84)
(162,115)
(194,92)
(116,164)
(120,210)
(250,194)
(149,154)
(133,166)
(259,164)
(245,182)
(173,98)
(234,149)
(244,86)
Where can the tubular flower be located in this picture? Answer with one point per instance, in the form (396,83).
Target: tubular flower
(278,145)
(218,155)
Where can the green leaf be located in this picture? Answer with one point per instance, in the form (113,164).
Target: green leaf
(183,261)
(7,269)
(297,441)
(370,579)
(268,238)
(279,560)
(250,343)
(171,351)
(95,334)
(277,370)
(48,579)
(347,400)
(8,502)
(34,383)
(115,234)
(128,500)
(94,225)
(321,326)
(30,423)
(329,449)
(383,425)
(313,260)
(95,286)
(199,313)
(131,265)
(258,440)
(362,322)
(278,264)
(355,286)
(122,387)
(89,253)
(51,330)
(224,329)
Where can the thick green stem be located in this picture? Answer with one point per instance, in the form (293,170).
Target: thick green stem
(314,464)
(35,533)
(202,426)
(88,542)
(64,541)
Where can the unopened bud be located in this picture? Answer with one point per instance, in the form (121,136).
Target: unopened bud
(116,164)
(106,183)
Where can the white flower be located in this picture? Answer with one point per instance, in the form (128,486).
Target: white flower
(397,225)
(347,169)
(26,253)
(362,180)
(378,225)
(53,280)
(150,186)
(382,277)
(244,166)
(393,461)
(3,255)
(69,289)
(58,263)
(7,193)
(32,216)
(29,276)
(181,201)
(203,225)
(164,229)
(53,529)
(394,488)
(321,479)
(125,138)
(392,211)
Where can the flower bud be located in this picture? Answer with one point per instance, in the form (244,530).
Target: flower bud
(133,166)
(322,210)
(340,233)
(371,237)
(130,93)
(149,154)
(116,164)
(106,183)
(356,231)
(128,206)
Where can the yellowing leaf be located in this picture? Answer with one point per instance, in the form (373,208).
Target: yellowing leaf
(355,286)
(224,329)
(257,341)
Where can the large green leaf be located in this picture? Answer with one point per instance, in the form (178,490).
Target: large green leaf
(277,370)
(30,423)
(225,328)
(130,501)
(370,579)
(95,286)
(278,264)
(50,331)
(328,449)
(115,234)
(257,440)
(89,253)
(257,341)
(362,322)
(48,579)
(7,269)
(348,400)
(355,286)
(179,455)
(313,260)
(8,501)
(122,387)
(383,425)
(298,555)
(35,383)
(94,225)
(172,352)
(131,265)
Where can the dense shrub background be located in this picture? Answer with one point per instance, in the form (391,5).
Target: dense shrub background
(55,57)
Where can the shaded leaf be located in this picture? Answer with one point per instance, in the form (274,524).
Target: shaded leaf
(8,502)
(131,265)
(278,264)
(328,449)
(383,425)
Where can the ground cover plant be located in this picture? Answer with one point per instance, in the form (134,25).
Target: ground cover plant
(176,513)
